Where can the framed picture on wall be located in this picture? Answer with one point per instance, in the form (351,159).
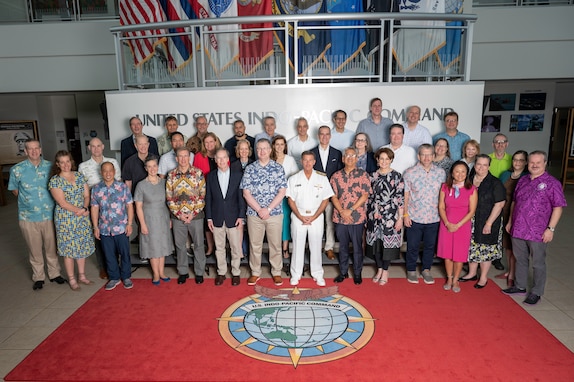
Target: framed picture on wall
(532,101)
(491,124)
(502,102)
(526,122)
(13,136)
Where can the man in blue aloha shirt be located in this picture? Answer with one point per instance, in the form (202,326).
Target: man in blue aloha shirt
(112,217)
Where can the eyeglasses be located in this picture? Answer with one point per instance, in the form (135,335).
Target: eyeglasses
(499,142)
(360,140)
(350,155)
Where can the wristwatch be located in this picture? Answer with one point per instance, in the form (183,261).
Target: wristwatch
(550,228)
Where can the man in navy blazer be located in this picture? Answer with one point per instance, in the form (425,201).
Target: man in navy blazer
(329,160)
(128,146)
(225,212)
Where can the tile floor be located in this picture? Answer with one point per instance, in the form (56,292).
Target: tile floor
(27,317)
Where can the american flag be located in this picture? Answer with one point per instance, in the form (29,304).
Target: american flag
(142,12)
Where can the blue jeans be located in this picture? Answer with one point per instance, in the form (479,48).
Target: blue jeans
(350,234)
(112,246)
(417,232)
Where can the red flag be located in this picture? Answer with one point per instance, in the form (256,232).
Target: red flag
(142,12)
(254,47)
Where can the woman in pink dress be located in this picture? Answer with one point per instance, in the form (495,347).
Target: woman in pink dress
(456,207)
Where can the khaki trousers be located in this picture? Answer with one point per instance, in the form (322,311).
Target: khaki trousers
(257,229)
(219,236)
(40,235)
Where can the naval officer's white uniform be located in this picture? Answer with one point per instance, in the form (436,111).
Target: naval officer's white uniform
(308,194)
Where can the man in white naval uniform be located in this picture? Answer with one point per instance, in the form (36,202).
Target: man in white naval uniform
(308,193)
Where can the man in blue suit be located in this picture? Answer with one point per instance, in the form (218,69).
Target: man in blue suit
(329,160)
(128,145)
(225,213)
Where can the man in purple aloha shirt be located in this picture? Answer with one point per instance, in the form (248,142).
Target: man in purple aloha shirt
(536,210)
(112,217)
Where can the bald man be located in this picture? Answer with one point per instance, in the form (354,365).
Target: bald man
(92,172)
(91,168)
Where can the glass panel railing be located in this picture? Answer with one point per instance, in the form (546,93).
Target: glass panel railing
(261,50)
(519,3)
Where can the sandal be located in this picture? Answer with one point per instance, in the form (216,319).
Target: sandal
(448,285)
(73,284)
(378,277)
(84,280)
(384,278)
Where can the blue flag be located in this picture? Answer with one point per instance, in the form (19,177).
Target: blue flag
(312,43)
(345,43)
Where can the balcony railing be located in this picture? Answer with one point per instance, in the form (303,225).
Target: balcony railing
(342,47)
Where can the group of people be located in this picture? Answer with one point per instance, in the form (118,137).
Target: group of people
(371,189)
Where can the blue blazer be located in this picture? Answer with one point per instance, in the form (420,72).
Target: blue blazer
(128,148)
(224,210)
(334,161)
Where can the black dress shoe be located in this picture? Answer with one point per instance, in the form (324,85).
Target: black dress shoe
(358,280)
(199,279)
(235,280)
(463,280)
(182,279)
(38,285)
(498,265)
(219,280)
(59,280)
(341,278)
(478,286)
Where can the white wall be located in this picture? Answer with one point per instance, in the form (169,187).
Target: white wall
(523,43)
(59,56)
(529,140)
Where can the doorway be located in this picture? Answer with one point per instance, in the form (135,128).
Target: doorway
(73,138)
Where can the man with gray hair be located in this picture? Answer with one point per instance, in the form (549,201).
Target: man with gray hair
(536,210)
(29,182)
(352,187)
(420,217)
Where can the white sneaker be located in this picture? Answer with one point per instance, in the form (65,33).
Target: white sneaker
(321,282)
(294,281)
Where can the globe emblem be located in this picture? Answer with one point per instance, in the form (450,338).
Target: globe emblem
(296,326)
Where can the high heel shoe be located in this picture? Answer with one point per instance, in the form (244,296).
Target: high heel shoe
(473,278)
(82,278)
(73,284)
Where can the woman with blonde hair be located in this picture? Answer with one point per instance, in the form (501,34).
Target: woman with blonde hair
(470,150)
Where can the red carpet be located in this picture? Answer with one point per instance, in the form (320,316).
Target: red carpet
(170,333)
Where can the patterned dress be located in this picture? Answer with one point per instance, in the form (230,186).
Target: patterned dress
(74,235)
(487,247)
(382,209)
